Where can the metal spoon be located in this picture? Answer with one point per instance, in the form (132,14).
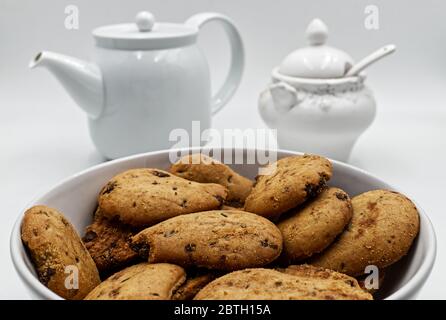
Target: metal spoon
(370,59)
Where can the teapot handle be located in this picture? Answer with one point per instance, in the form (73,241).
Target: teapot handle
(234,76)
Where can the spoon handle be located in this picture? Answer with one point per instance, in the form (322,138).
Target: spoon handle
(370,59)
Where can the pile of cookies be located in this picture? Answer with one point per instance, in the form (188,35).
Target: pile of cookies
(202,231)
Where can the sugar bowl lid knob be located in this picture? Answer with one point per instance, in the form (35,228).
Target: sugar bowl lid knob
(145,21)
(317,32)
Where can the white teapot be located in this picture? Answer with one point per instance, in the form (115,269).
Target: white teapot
(148,79)
(312,104)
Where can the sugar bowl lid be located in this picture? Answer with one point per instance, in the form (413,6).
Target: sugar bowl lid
(144,34)
(318,60)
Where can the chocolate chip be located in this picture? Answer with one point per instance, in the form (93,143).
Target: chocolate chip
(278,283)
(350,283)
(224,215)
(174,188)
(265,243)
(313,190)
(64,221)
(169,234)
(190,247)
(134,204)
(141,248)
(44,213)
(341,196)
(160,174)
(46,275)
(109,187)
(114,292)
(90,236)
(219,199)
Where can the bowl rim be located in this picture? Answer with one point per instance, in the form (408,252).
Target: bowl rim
(32,282)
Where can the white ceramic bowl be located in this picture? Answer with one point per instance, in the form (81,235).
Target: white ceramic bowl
(76,198)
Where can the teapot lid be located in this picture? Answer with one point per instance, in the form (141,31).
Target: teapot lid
(144,34)
(318,60)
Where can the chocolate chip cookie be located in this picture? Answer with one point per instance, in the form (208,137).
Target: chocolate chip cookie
(108,242)
(192,286)
(222,240)
(312,228)
(291,182)
(142,281)
(143,197)
(382,229)
(296,283)
(58,253)
(201,168)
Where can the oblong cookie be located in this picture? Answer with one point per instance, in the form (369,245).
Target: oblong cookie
(58,253)
(299,284)
(382,229)
(291,182)
(312,228)
(192,286)
(108,242)
(220,239)
(142,281)
(201,168)
(143,197)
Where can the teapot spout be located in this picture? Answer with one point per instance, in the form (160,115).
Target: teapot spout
(82,80)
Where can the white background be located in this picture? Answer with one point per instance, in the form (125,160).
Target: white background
(44,137)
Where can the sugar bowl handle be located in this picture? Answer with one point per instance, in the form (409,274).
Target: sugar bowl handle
(237,56)
(284,96)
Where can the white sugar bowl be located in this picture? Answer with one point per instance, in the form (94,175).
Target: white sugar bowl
(312,104)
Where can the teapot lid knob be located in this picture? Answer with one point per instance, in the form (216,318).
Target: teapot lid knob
(145,21)
(317,32)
